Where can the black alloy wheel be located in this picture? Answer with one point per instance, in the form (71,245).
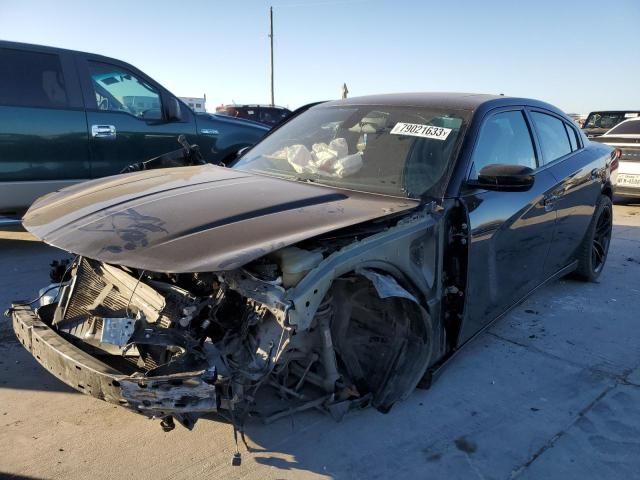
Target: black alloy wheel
(601,239)
(594,249)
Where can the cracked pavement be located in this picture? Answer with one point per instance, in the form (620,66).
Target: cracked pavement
(550,391)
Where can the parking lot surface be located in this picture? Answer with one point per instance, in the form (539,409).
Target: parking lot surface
(550,391)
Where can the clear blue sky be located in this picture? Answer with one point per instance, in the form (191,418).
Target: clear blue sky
(578,55)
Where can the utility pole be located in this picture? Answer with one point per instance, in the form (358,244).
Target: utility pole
(271,40)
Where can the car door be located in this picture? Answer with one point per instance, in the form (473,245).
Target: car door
(128,116)
(510,231)
(43,127)
(577,184)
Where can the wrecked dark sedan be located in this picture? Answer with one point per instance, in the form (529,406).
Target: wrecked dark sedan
(339,264)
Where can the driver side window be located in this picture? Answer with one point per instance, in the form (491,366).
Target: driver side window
(504,139)
(118,90)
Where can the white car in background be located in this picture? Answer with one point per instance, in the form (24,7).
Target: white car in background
(625,137)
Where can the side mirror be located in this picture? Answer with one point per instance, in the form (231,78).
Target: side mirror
(231,162)
(174,113)
(243,150)
(504,178)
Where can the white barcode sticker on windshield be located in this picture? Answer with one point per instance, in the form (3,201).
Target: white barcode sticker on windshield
(417,130)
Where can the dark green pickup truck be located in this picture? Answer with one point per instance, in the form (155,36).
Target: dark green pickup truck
(68,116)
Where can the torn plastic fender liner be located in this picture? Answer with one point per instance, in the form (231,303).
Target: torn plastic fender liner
(386,286)
(407,374)
(177,394)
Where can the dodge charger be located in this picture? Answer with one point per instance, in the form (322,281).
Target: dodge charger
(340,262)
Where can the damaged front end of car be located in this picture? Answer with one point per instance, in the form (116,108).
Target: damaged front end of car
(183,345)
(321,299)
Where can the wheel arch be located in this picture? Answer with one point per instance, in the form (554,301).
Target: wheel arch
(392,285)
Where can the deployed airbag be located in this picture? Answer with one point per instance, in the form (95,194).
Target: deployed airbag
(332,160)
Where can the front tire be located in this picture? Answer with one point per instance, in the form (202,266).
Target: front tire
(594,249)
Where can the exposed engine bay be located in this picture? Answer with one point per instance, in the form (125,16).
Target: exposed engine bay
(192,343)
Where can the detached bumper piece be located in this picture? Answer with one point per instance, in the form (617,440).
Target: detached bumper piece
(183,396)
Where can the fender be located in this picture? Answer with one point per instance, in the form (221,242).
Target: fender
(384,251)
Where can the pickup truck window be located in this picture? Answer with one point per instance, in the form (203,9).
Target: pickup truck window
(119,90)
(31,79)
(607,119)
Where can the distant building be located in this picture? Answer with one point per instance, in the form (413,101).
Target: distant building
(197,104)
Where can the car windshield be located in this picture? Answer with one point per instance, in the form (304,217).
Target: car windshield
(400,151)
(607,119)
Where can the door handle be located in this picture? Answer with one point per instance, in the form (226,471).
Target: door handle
(103,131)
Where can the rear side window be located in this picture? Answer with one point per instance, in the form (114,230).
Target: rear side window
(119,90)
(31,79)
(573,140)
(552,135)
(505,139)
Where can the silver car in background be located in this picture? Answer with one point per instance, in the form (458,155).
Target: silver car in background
(625,137)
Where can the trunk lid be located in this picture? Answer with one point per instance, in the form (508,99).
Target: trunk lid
(629,145)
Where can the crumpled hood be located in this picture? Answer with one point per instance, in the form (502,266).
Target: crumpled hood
(195,219)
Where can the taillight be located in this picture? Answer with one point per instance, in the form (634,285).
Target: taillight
(615,156)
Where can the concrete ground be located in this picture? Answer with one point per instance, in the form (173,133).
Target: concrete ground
(551,391)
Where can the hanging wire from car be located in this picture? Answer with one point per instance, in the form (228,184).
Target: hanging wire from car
(11,309)
(238,425)
(237,457)
(133,292)
(31,302)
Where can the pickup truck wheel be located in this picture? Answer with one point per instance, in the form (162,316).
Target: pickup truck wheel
(594,249)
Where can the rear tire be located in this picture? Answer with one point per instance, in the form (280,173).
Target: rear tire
(592,254)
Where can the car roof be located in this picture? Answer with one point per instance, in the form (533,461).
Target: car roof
(252,105)
(46,48)
(614,111)
(452,100)
(236,120)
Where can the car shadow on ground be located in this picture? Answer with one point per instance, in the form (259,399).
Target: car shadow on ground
(19,370)
(24,269)
(465,412)
(12,476)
